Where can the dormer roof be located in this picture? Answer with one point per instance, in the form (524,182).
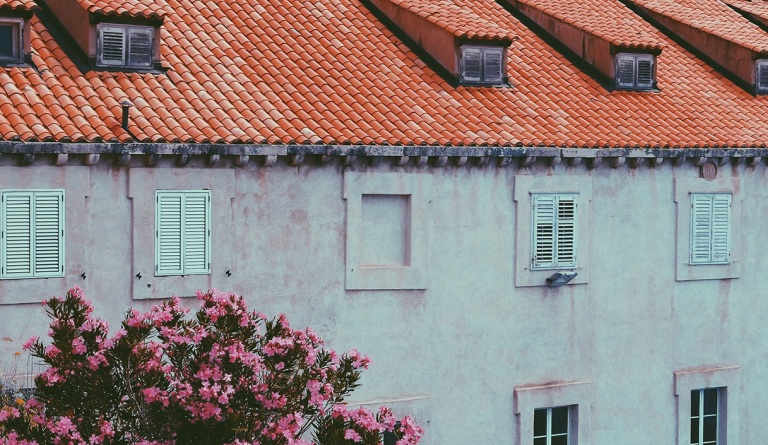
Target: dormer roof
(134,9)
(712,17)
(758,10)
(20,7)
(608,20)
(462,22)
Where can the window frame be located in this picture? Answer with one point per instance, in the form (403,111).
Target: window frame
(685,269)
(701,414)
(484,52)
(713,213)
(576,395)
(727,379)
(548,433)
(636,59)
(127,31)
(17,34)
(761,76)
(558,260)
(525,187)
(33,227)
(184,268)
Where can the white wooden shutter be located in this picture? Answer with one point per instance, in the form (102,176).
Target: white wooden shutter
(182,245)
(492,61)
(710,228)
(544,231)
(565,249)
(471,64)
(111,45)
(625,71)
(554,231)
(32,234)
(140,46)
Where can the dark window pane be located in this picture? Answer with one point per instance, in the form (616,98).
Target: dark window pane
(695,431)
(710,401)
(559,440)
(540,441)
(6,41)
(560,420)
(694,403)
(710,429)
(540,422)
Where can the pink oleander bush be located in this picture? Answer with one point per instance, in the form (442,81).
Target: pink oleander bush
(223,376)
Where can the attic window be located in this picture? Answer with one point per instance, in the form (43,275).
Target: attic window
(482,65)
(125,46)
(10,40)
(761,76)
(635,71)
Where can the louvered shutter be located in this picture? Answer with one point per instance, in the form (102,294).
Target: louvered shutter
(112,45)
(182,245)
(471,63)
(492,60)
(625,71)
(565,248)
(32,234)
(644,71)
(544,231)
(710,228)
(140,47)
(196,239)
(761,76)
(48,234)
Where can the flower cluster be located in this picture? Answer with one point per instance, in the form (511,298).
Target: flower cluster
(221,376)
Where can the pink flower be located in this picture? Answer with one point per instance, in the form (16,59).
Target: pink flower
(352,435)
(32,340)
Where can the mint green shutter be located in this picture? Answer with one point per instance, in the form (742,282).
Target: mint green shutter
(710,228)
(32,234)
(182,236)
(554,231)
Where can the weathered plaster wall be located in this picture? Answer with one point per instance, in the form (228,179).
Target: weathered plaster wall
(454,352)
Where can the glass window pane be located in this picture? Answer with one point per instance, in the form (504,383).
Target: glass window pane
(694,403)
(710,428)
(695,431)
(6,41)
(540,422)
(540,441)
(710,401)
(560,440)
(560,420)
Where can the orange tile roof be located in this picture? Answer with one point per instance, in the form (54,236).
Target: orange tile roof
(608,20)
(759,9)
(713,17)
(153,9)
(329,72)
(18,5)
(460,21)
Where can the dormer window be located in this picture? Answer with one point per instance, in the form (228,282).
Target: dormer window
(482,65)
(635,71)
(11,40)
(761,76)
(126,46)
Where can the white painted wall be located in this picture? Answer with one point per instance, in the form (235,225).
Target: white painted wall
(456,350)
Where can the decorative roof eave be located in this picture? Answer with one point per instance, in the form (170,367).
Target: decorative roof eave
(19,8)
(436,156)
(101,10)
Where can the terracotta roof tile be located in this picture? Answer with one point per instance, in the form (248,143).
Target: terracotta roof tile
(18,5)
(759,9)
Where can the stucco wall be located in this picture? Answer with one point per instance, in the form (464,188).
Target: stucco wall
(454,352)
